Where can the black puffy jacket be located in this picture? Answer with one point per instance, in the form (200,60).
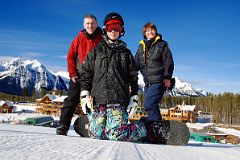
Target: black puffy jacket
(155,64)
(109,71)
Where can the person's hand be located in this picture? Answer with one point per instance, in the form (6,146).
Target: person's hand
(74,79)
(167,83)
(86,101)
(132,106)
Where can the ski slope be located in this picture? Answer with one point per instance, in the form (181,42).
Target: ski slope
(22,142)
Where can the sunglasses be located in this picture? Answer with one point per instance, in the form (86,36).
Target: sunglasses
(114,26)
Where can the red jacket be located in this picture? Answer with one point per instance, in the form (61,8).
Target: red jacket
(79,48)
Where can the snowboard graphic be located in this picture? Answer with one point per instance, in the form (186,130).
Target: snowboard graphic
(177,133)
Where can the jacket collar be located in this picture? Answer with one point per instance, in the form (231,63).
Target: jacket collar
(95,33)
(158,37)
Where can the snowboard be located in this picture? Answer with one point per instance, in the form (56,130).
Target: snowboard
(176,134)
(81,126)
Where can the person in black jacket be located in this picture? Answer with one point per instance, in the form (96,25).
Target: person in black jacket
(155,62)
(109,86)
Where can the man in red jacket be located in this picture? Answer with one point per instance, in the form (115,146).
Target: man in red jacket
(81,45)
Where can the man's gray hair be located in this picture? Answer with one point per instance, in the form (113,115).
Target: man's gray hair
(90,16)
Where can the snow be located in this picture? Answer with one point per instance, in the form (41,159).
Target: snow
(182,88)
(29,74)
(9,103)
(32,142)
(51,96)
(199,126)
(228,131)
(59,98)
(186,107)
(63,74)
(28,107)
(140,79)
(33,74)
(25,142)
(34,64)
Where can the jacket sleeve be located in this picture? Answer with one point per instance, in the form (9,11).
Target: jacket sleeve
(137,59)
(168,63)
(72,58)
(133,75)
(87,71)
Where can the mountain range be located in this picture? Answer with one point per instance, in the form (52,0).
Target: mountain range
(19,77)
(181,88)
(23,77)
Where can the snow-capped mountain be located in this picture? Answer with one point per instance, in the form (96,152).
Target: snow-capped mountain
(185,89)
(20,77)
(181,88)
(64,75)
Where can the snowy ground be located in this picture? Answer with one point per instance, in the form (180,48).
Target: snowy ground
(22,142)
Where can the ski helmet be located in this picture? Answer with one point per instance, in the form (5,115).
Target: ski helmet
(111,16)
(114,17)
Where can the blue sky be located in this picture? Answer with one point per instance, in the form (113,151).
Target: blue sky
(203,35)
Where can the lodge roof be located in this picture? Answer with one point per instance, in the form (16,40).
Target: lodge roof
(59,98)
(185,107)
(53,98)
(8,103)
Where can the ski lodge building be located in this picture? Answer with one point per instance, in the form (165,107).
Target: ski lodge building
(6,106)
(50,104)
(184,113)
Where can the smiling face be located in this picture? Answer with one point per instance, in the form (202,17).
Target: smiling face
(113,35)
(150,33)
(90,24)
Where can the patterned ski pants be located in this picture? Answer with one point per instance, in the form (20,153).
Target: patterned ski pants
(110,122)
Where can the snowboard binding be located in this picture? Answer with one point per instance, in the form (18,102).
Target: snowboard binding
(167,132)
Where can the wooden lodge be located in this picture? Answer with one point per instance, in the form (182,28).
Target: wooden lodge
(184,113)
(6,107)
(50,104)
(138,115)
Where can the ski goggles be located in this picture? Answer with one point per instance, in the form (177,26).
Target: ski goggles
(114,26)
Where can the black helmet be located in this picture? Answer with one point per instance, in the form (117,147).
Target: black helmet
(113,15)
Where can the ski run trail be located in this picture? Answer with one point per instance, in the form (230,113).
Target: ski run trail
(23,142)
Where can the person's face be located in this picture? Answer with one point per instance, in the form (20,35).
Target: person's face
(90,25)
(150,33)
(113,35)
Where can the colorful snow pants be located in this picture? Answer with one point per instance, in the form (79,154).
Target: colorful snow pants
(110,122)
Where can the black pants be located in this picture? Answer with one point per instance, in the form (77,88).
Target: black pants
(70,103)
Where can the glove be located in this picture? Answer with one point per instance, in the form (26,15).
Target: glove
(132,106)
(86,101)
